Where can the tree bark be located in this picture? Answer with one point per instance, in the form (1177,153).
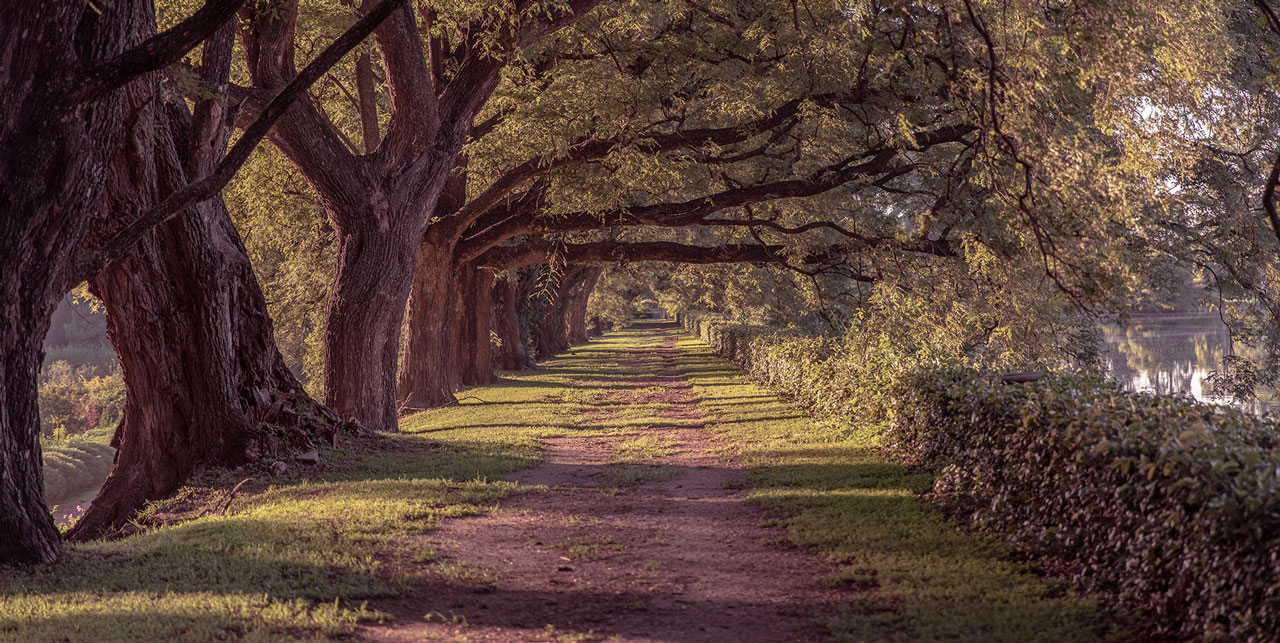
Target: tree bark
(27,533)
(433,362)
(362,327)
(426,378)
(205,384)
(53,157)
(512,354)
(477,349)
(365,91)
(577,307)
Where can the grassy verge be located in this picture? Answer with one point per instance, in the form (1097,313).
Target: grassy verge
(76,468)
(835,493)
(297,558)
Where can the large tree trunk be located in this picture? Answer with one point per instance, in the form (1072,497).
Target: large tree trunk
(432,366)
(362,327)
(476,347)
(27,533)
(53,157)
(508,300)
(577,308)
(205,384)
(426,374)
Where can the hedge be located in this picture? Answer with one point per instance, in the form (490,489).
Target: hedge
(1168,505)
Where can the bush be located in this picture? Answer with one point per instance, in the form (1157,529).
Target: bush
(1169,505)
(79,400)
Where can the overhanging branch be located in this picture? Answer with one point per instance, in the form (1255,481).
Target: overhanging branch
(207,187)
(158,51)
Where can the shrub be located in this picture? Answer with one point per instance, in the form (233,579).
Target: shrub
(1169,505)
(79,400)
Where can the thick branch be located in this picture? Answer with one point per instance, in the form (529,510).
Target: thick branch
(596,148)
(415,109)
(205,188)
(695,211)
(367,102)
(158,51)
(940,247)
(539,251)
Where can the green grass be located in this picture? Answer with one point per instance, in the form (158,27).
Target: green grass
(640,448)
(77,467)
(298,560)
(835,492)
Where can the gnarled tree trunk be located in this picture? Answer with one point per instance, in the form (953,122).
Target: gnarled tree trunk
(428,375)
(432,366)
(27,533)
(362,327)
(205,384)
(53,157)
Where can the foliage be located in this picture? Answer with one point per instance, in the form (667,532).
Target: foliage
(915,576)
(75,401)
(291,246)
(1169,505)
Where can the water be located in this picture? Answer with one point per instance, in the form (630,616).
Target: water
(1171,353)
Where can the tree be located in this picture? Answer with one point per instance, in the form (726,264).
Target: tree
(205,382)
(382,203)
(63,119)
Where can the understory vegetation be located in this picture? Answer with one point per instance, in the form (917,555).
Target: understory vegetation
(1169,505)
(837,492)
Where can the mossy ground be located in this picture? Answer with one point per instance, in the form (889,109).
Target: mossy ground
(298,557)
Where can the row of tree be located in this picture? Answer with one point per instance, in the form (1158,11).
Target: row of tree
(939,158)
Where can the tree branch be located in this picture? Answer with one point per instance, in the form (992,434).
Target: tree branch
(210,185)
(596,148)
(156,52)
(542,251)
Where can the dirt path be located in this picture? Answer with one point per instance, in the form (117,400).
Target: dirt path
(652,547)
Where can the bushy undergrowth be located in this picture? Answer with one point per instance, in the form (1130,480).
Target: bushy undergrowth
(76,400)
(1169,505)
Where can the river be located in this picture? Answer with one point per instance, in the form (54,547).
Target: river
(1171,353)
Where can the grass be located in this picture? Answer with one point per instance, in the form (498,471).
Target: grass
(586,549)
(76,468)
(835,492)
(640,448)
(299,556)
(298,559)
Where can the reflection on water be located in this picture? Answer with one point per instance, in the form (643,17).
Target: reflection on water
(1170,353)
